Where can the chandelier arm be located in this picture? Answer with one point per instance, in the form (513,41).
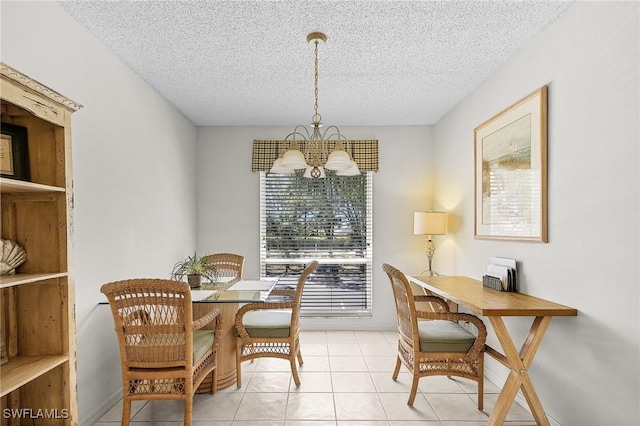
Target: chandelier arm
(297,132)
(337,135)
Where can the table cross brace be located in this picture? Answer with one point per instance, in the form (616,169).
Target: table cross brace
(519,363)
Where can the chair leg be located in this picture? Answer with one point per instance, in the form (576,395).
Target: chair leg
(126,411)
(396,371)
(214,380)
(481,384)
(238,363)
(414,390)
(294,370)
(188,410)
(300,361)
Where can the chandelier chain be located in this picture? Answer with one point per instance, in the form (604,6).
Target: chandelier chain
(315,106)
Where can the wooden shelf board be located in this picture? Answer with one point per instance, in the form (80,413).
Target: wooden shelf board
(23,369)
(12,185)
(19,279)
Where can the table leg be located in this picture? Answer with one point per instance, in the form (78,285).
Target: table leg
(519,362)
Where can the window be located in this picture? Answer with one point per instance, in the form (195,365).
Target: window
(324,219)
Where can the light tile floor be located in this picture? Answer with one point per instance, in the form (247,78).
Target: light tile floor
(346,381)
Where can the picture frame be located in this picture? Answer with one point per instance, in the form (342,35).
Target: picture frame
(14,152)
(3,351)
(510,180)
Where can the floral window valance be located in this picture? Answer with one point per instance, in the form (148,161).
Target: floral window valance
(363,152)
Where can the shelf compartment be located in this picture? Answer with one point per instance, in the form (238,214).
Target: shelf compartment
(38,222)
(19,279)
(24,369)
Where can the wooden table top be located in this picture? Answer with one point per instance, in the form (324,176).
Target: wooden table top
(471,294)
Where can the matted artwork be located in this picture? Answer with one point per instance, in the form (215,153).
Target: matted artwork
(3,352)
(14,154)
(511,172)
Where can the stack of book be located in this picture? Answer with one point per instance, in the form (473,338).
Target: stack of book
(501,274)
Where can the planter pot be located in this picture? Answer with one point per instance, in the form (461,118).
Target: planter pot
(194,280)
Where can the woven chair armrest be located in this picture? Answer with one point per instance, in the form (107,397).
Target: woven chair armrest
(242,332)
(432,299)
(481,329)
(140,314)
(206,319)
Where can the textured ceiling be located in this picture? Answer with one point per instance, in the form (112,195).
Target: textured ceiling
(238,63)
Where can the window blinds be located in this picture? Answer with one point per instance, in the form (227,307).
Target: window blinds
(324,219)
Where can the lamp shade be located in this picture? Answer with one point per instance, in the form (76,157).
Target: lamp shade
(429,223)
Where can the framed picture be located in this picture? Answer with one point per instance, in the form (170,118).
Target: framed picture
(511,172)
(3,352)
(14,153)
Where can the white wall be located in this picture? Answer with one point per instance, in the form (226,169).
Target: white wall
(228,203)
(134,180)
(586,371)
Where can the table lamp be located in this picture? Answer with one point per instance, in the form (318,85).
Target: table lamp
(430,223)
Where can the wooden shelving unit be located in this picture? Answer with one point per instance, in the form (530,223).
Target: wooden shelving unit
(37,320)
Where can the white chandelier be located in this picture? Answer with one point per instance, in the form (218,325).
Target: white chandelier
(315,159)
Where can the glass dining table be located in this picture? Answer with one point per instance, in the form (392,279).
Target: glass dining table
(229,295)
(233,291)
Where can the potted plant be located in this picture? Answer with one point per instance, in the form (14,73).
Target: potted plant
(195,267)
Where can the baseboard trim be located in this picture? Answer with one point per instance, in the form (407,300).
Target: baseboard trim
(97,413)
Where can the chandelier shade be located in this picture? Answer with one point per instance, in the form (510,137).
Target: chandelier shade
(353,170)
(293,158)
(339,159)
(279,169)
(316,159)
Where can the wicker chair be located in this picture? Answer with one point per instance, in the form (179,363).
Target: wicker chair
(272,329)
(229,265)
(433,343)
(163,351)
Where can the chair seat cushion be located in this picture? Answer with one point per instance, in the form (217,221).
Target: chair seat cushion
(267,323)
(202,343)
(444,336)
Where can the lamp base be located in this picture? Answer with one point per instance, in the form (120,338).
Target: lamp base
(431,249)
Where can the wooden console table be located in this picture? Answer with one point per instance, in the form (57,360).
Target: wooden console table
(494,304)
